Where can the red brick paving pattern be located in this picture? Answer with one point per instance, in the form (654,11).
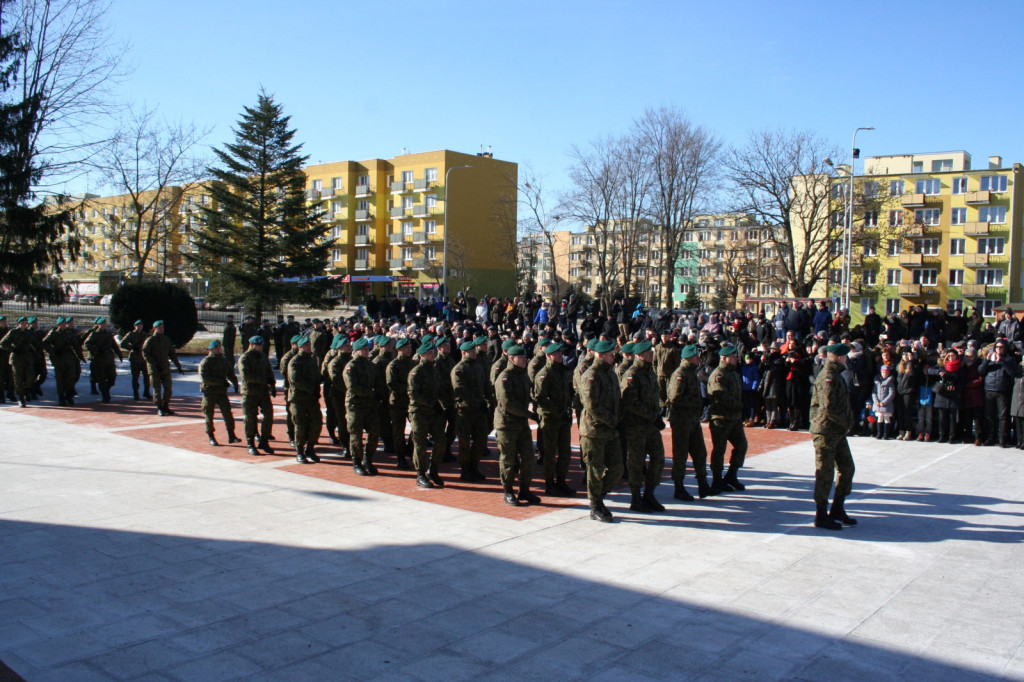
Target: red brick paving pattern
(186,429)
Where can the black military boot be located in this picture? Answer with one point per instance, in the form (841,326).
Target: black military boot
(265,446)
(563,488)
(434,476)
(135,391)
(368,465)
(637,502)
(652,501)
(69,398)
(822,520)
(22,401)
(730,478)
(598,512)
(167,408)
(422,481)
(719,485)
(511,499)
(300,455)
(105,393)
(252,449)
(838,512)
(232,438)
(213,440)
(705,490)
(465,474)
(311,453)
(681,493)
(526,496)
(550,489)
(357,468)
(403,463)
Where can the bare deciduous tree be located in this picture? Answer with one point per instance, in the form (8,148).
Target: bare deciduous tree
(536,224)
(155,164)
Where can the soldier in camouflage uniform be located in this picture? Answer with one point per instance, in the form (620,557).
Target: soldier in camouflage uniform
(18,344)
(666,360)
(552,394)
(397,378)
(215,375)
(362,408)
(599,428)
(102,347)
(62,346)
(158,350)
(471,390)
(426,416)
(725,389)
(259,385)
(626,362)
(512,429)
(830,422)
(304,401)
(382,355)
(132,342)
(685,406)
(282,364)
(336,371)
(445,364)
(643,424)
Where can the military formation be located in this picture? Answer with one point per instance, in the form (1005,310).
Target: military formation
(411,392)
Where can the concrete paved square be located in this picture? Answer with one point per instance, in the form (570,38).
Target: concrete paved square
(141,558)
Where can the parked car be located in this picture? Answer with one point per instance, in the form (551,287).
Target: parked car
(91,299)
(75,298)
(200,303)
(106,299)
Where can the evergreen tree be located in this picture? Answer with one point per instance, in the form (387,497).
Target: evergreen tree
(35,237)
(260,242)
(692,300)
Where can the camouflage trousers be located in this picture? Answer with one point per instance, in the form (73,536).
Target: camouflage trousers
(723,432)
(214,400)
(307,418)
(557,450)
(472,428)
(253,403)
(688,439)
(832,452)
(603,458)
(424,423)
(643,442)
(360,419)
(515,444)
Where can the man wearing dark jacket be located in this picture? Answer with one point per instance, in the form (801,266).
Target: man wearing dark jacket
(999,370)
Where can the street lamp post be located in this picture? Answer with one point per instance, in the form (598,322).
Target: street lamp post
(447,198)
(848,231)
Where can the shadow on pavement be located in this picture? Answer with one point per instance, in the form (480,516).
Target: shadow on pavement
(86,603)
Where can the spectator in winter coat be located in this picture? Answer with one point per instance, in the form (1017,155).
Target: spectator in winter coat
(750,375)
(822,318)
(1017,411)
(972,402)
(884,400)
(948,391)
(999,369)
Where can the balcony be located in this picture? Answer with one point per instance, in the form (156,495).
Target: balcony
(397,212)
(913,231)
(910,260)
(419,237)
(365,264)
(912,200)
(974,289)
(981,197)
(912,290)
(420,185)
(362,239)
(975,260)
(362,215)
(976,229)
(398,238)
(327,192)
(363,191)
(420,211)
(312,194)
(419,263)
(398,187)
(396,263)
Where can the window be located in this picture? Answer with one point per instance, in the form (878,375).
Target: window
(655,254)
(895,188)
(431,201)
(895,247)
(430,226)
(942,165)
(992,214)
(336,183)
(835,276)
(992,276)
(362,254)
(993,183)
(719,235)
(577,239)
(870,248)
(993,246)
(704,236)
(927,216)
(955,304)
(956,247)
(407,177)
(988,307)
(958,216)
(705,288)
(363,230)
(870,188)
(917,167)
(337,207)
(317,185)
(870,218)
(931,186)
(959,185)
(406,203)
(364,205)
(869,277)
(431,174)
(895,218)
(892,306)
(893,276)
(576,256)
(703,222)
(335,255)
(719,222)
(336,232)
(407,228)
(835,248)
(928,277)
(430,252)
(926,247)
(866,303)
(363,181)
(956,277)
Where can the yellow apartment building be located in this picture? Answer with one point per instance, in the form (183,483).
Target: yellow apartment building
(931,230)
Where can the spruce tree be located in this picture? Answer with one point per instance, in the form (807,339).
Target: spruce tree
(260,242)
(35,237)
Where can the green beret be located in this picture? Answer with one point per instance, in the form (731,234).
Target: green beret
(295,339)
(361,343)
(468,345)
(641,347)
(606,346)
(727,350)
(60,320)
(592,344)
(157,323)
(427,337)
(441,340)
(552,347)
(99,320)
(544,341)
(690,350)
(2,318)
(337,342)
(838,349)
(214,344)
(31,320)
(382,340)
(401,343)
(507,343)
(138,322)
(22,319)
(303,340)
(480,340)
(425,347)
(627,349)
(516,350)
(256,340)
(69,319)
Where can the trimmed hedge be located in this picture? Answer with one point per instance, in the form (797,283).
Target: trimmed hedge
(152,301)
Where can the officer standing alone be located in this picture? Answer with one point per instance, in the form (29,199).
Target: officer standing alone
(830,421)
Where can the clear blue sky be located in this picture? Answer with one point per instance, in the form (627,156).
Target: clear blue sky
(365,79)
